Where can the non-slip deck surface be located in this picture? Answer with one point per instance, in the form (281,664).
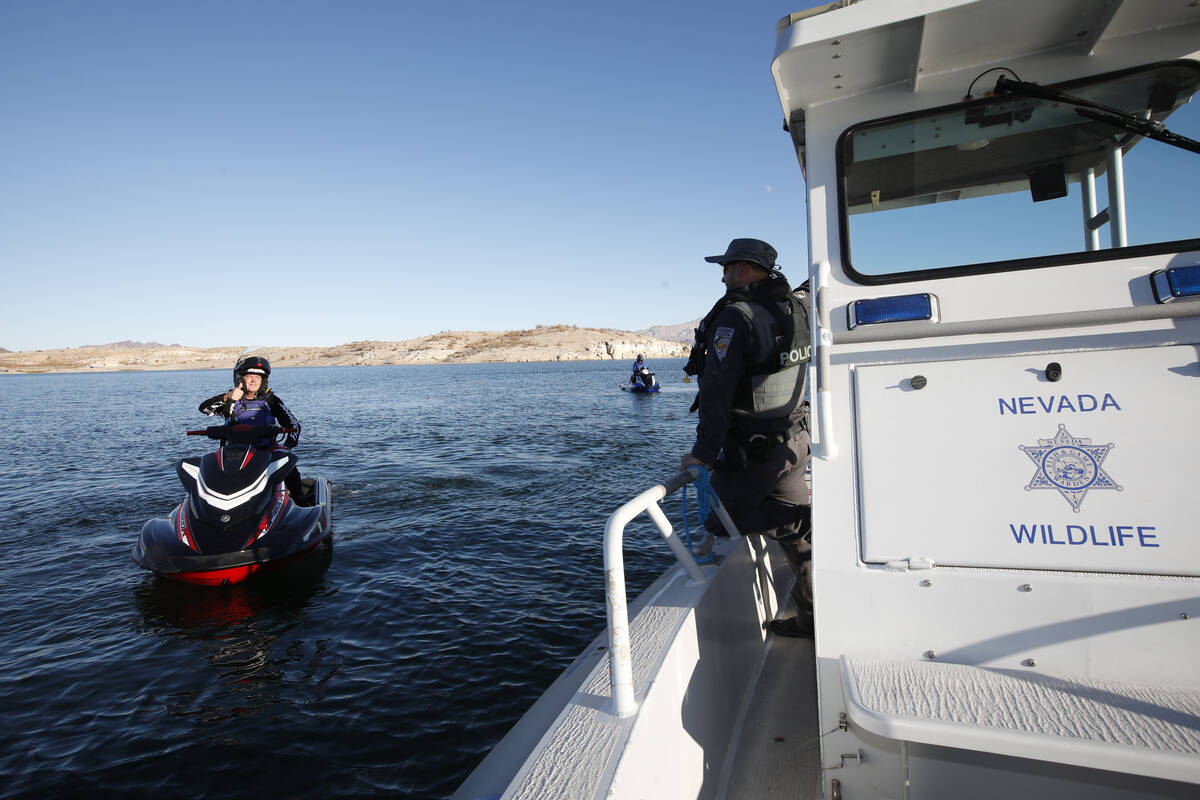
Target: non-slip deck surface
(780,749)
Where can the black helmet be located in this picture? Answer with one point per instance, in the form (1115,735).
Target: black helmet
(252,365)
(639,358)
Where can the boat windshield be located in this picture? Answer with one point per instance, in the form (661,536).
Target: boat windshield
(1013,181)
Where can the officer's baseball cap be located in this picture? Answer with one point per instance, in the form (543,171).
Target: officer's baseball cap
(756,251)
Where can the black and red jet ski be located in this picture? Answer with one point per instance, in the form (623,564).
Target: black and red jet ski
(238,518)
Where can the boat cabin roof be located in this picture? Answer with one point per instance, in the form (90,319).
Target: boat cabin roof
(848,48)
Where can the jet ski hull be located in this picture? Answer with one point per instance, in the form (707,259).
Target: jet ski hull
(169,548)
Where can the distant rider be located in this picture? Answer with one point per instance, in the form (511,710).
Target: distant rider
(638,366)
(252,402)
(751,352)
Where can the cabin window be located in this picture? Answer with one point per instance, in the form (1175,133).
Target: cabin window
(1006,182)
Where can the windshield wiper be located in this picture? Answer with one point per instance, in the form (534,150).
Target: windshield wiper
(1101,113)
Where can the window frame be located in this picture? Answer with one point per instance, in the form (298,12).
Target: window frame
(1006,265)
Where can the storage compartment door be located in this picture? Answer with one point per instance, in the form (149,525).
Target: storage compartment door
(991,464)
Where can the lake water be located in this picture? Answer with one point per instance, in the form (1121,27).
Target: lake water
(469,509)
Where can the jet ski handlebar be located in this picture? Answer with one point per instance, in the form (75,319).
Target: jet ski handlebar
(240,433)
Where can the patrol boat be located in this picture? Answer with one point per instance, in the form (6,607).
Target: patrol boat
(1005,379)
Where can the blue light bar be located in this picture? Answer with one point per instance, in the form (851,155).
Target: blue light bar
(1174,283)
(905,308)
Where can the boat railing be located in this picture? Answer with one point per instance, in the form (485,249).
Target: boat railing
(823,445)
(620,655)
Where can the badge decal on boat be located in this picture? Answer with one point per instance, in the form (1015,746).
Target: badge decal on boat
(1072,465)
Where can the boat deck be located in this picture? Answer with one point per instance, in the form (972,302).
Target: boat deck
(779,749)
(723,712)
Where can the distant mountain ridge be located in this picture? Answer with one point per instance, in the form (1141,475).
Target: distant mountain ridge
(127,344)
(683,332)
(543,343)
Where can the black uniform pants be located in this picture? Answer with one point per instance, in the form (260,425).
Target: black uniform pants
(769,496)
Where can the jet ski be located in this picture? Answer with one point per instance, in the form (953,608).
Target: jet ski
(238,519)
(642,381)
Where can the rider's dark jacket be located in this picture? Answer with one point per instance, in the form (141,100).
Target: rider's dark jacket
(266,409)
(753,351)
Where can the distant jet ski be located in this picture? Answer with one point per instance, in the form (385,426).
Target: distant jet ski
(642,381)
(238,519)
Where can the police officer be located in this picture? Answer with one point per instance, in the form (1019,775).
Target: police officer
(751,353)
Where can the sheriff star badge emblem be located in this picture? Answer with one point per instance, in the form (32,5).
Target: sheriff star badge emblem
(1071,465)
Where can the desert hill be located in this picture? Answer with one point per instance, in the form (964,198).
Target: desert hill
(543,343)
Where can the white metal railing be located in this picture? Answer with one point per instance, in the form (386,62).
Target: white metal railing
(1116,197)
(1092,220)
(823,445)
(620,655)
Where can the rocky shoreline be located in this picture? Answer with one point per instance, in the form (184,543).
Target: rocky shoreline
(543,343)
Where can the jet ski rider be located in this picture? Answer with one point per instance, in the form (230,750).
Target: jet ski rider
(252,402)
(638,366)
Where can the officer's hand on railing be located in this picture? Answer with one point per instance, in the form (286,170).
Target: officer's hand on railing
(690,460)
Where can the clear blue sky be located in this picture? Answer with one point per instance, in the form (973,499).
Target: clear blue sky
(315,172)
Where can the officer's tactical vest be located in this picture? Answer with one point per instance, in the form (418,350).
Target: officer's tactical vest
(774,387)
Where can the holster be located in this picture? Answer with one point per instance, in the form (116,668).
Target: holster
(741,449)
(733,456)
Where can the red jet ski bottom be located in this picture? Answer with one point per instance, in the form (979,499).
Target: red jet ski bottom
(231,575)
(167,546)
